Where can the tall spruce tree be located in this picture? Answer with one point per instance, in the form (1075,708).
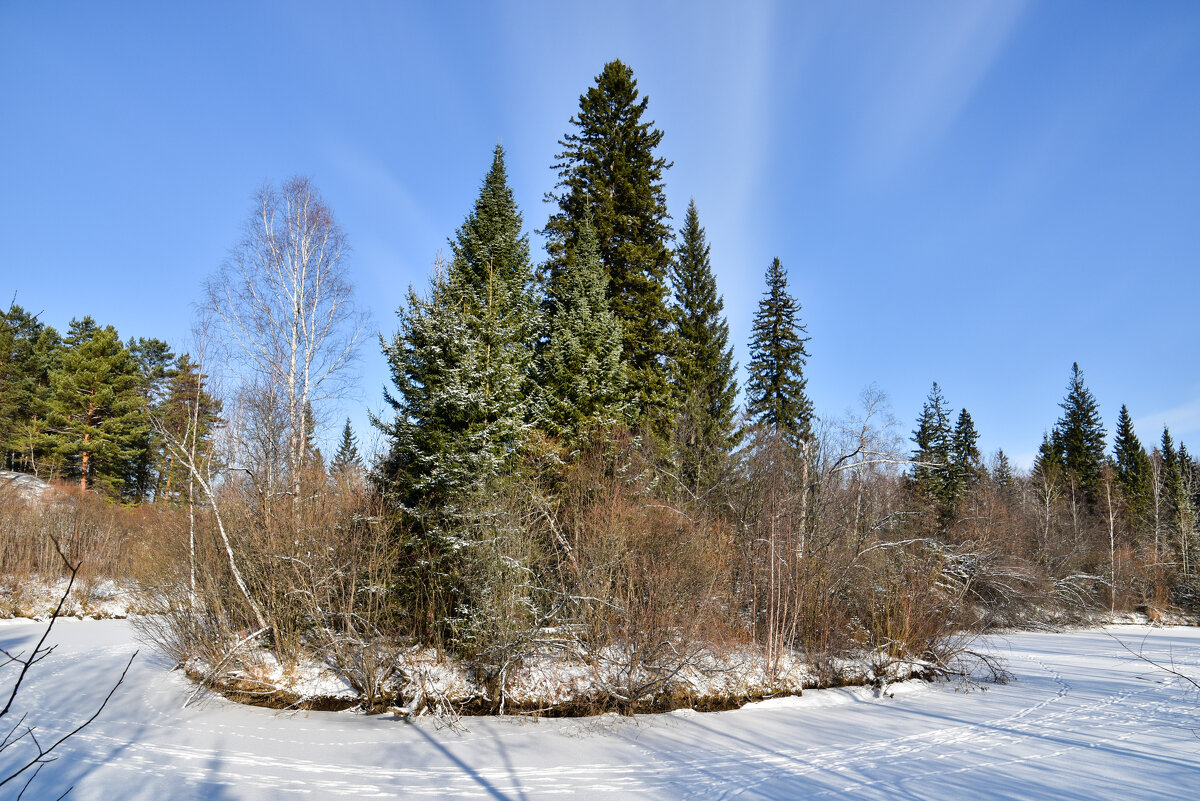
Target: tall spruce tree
(1177,509)
(932,476)
(581,377)
(1134,472)
(703,372)
(966,464)
(461,360)
(608,169)
(775,393)
(1079,437)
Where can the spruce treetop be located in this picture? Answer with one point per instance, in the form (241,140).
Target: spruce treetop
(932,457)
(702,367)
(1002,470)
(965,460)
(346,459)
(462,358)
(490,246)
(775,392)
(1134,470)
(608,168)
(1079,436)
(1047,465)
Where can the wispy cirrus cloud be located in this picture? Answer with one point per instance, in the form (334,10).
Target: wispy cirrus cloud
(1183,420)
(929,71)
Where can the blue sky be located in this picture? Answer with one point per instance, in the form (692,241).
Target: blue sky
(974,193)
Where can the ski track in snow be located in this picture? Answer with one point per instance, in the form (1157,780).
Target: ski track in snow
(1082,720)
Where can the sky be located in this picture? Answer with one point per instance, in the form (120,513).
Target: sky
(978,194)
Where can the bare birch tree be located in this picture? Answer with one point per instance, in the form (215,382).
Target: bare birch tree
(283,305)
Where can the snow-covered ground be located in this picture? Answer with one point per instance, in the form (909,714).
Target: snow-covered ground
(1082,720)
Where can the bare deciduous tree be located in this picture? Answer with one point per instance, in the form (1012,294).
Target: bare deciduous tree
(283,304)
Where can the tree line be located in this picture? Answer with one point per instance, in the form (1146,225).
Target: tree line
(79,407)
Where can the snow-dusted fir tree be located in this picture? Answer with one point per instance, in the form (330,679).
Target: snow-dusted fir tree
(932,476)
(1178,511)
(702,374)
(966,464)
(609,169)
(461,360)
(1134,472)
(581,377)
(1079,437)
(775,393)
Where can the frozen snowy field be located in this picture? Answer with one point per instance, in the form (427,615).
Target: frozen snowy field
(1083,720)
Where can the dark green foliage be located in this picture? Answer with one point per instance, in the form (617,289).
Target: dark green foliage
(1079,437)
(1178,509)
(966,465)
(346,461)
(1002,472)
(1170,459)
(581,378)
(88,400)
(1134,472)
(608,169)
(461,363)
(932,477)
(461,360)
(1047,465)
(703,380)
(1169,479)
(97,418)
(155,362)
(28,352)
(775,393)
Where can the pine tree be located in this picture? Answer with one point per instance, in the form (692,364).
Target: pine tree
(346,461)
(97,416)
(703,379)
(966,466)
(28,350)
(154,361)
(581,377)
(1079,437)
(775,393)
(1134,471)
(608,169)
(932,479)
(461,360)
